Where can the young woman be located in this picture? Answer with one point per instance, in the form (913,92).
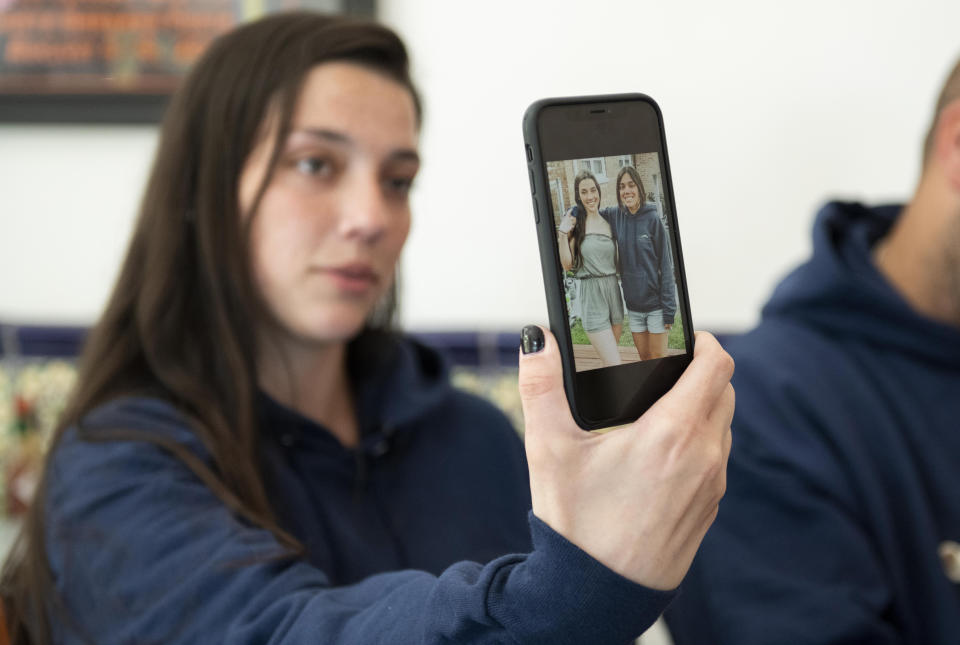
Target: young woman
(588,249)
(646,265)
(250,455)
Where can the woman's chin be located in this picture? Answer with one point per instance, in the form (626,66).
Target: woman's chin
(333,329)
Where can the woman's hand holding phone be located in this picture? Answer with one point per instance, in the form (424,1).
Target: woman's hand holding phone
(641,498)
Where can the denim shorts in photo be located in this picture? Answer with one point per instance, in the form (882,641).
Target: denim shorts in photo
(651,321)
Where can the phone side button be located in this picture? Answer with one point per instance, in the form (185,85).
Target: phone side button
(533,186)
(536,212)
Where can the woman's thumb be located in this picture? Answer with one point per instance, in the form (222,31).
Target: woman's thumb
(545,406)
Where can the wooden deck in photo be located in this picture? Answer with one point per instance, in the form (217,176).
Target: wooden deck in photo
(586,358)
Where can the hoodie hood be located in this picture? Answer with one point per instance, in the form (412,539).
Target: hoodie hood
(840,292)
(396,381)
(645,208)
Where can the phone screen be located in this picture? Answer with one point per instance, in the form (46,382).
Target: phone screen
(617,247)
(619,275)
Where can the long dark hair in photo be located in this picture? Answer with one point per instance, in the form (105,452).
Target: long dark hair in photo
(630,170)
(580,228)
(181,321)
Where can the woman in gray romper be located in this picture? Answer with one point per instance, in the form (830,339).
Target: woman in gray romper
(588,249)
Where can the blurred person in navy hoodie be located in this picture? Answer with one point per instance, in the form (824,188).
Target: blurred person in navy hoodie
(842,517)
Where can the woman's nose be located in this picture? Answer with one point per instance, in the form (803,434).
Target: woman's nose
(364,211)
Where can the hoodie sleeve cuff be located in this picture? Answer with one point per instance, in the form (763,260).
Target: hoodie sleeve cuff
(560,594)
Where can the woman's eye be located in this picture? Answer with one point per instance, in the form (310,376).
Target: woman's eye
(314,166)
(399,185)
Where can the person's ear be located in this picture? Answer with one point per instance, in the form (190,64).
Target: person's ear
(947,143)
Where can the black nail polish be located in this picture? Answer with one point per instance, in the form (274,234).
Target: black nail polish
(531,339)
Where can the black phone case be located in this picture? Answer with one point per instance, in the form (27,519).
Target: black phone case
(550,255)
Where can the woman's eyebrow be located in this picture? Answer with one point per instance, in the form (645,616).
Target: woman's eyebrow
(327,135)
(332,136)
(404,154)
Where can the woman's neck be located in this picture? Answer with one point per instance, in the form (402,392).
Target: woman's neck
(314,382)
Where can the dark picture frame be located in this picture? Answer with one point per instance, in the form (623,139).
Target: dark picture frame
(33,92)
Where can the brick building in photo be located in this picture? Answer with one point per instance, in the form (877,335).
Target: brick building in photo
(561,174)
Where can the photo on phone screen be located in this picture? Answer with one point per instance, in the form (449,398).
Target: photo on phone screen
(619,275)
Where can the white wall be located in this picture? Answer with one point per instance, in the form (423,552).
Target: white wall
(770,109)
(68,196)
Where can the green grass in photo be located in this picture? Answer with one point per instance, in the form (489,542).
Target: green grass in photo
(675,339)
(578,336)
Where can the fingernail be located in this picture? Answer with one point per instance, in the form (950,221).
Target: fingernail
(531,339)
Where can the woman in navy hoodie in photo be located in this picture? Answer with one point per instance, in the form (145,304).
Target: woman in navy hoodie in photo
(646,265)
(251,455)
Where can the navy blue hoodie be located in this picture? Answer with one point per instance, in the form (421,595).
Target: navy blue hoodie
(844,478)
(646,262)
(422,535)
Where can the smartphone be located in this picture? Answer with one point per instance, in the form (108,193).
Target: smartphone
(610,251)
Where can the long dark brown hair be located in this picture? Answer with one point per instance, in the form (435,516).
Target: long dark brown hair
(180,323)
(579,230)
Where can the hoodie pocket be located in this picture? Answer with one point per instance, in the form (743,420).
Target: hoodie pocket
(639,291)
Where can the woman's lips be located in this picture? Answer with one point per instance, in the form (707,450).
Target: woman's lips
(352,278)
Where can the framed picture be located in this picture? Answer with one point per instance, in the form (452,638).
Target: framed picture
(115,61)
